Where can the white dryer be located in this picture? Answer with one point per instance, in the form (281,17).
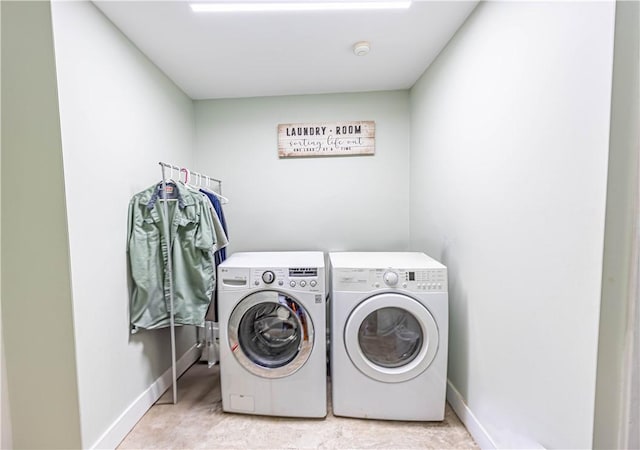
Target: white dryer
(272,314)
(389,325)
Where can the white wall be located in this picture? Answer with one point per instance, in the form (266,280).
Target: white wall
(36,288)
(119,116)
(322,203)
(616,338)
(509,147)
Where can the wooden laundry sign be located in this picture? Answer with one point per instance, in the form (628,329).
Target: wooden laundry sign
(326,139)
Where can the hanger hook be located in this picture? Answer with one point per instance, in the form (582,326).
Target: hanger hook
(186,175)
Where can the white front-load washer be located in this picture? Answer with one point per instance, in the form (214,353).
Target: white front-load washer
(389,325)
(272,315)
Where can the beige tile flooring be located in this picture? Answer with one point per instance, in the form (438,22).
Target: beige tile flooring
(197,421)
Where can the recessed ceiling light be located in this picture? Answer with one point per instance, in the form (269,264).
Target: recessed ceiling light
(239,6)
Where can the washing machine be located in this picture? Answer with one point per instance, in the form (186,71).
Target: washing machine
(388,342)
(272,316)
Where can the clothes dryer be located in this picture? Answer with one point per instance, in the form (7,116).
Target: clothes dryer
(389,325)
(272,315)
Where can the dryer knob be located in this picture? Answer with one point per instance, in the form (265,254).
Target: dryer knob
(390,278)
(268,277)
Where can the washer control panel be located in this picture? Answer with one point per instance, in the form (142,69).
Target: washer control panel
(299,278)
(413,280)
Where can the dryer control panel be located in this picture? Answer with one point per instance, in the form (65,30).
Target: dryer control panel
(412,280)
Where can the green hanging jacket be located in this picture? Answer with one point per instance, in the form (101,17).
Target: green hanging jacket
(191,244)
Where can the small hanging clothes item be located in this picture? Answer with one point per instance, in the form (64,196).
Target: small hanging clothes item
(190,245)
(221,254)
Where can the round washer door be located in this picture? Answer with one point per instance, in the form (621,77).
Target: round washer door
(270,334)
(391,337)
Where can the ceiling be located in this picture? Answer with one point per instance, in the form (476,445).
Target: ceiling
(223,55)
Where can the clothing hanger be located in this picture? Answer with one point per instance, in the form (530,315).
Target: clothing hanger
(170,182)
(170,179)
(187,177)
(224,200)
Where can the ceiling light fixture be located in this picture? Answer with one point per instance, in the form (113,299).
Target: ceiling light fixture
(238,6)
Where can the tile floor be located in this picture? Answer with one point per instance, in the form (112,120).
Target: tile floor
(197,421)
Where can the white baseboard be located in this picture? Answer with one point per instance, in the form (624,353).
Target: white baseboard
(469,420)
(128,419)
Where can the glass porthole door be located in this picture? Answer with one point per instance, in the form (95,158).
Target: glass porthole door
(270,334)
(391,337)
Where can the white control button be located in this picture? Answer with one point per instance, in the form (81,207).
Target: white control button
(404,285)
(292,284)
(376,285)
(280,282)
(303,283)
(390,278)
(257,283)
(313,283)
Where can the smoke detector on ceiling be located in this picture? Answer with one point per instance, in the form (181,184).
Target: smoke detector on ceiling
(361,48)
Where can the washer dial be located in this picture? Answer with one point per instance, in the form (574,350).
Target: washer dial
(268,277)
